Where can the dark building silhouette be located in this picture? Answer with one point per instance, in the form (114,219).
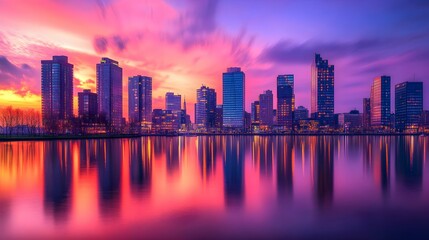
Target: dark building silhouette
(173,102)
(322,91)
(57,90)
(408,106)
(219,117)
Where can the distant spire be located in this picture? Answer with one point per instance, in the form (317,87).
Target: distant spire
(184,103)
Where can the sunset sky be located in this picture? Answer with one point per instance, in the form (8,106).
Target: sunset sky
(183,44)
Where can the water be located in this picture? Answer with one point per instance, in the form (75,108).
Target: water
(216,187)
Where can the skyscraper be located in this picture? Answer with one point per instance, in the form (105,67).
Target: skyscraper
(87,105)
(266,108)
(173,102)
(380,102)
(140,100)
(109,91)
(285,100)
(57,90)
(255,112)
(205,108)
(366,118)
(322,91)
(408,105)
(233,83)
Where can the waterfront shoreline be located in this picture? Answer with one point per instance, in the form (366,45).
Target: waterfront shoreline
(113,136)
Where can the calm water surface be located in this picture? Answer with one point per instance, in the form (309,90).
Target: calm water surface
(216,187)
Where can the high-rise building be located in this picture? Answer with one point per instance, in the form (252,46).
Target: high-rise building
(219,117)
(408,105)
(351,121)
(57,90)
(366,116)
(285,100)
(205,108)
(173,102)
(233,83)
(109,92)
(87,105)
(266,108)
(380,102)
(322,91)
(255,112)
(300,113)
(140,100)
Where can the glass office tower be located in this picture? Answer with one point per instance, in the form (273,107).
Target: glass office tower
(322,91)
(109,91)
(285,100)
(233,83)
(57,90)
(140,99)
(380,102)
(408,105)
(205,108)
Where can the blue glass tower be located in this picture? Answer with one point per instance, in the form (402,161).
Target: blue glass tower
(322,91)
(233,83)
(408,105)
(285,100)
(140,99)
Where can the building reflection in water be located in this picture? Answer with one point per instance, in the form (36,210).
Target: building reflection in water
(207,154)
(87,155)
(409,163)
(323,169)
(285,167)
(109,155)
(57,178)
(233,170)
(377,160)
(262,154)
(140,165)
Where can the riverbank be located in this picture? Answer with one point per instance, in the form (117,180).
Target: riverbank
(111,136)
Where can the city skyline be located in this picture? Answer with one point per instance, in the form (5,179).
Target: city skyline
(207,38)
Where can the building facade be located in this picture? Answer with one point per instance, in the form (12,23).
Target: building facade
(285,100)
(109,92)
(87,105)
(300,113)
(57,90)
(205,108)
(322,91)
(140,100)
(380,102)
(366,115)
(173,102)
(233,87)
(266,109)
(408,106)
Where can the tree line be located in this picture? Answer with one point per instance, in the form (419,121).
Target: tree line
(15,121)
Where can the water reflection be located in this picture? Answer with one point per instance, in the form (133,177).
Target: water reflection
(409,164)
(195,183)
(57,178)
(233,168)
(323,169)
(109,155)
